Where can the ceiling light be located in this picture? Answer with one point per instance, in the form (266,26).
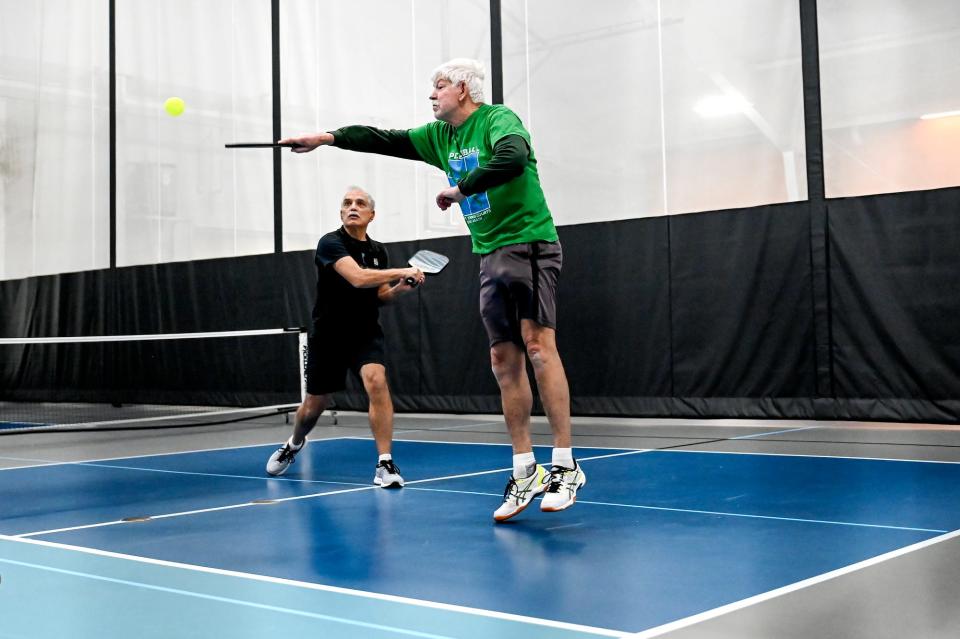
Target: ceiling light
(714,106)
(942,114)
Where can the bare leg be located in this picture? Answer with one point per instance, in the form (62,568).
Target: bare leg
(374,378)
(541,343)
(509,367)
(307,415)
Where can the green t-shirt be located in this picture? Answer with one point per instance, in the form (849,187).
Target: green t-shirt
(513,213)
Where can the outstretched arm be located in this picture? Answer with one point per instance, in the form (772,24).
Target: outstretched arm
(366,139)
(306,143)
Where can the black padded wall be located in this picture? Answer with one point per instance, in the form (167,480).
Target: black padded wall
(895,303)
(703,315)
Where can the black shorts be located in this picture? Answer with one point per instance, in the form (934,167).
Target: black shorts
(517,282)
(330,357)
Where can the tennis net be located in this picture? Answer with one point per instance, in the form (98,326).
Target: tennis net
(164,380)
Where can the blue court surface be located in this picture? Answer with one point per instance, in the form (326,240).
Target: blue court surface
(203,544)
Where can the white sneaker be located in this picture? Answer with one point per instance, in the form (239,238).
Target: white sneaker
(388,475)
(562,486)
(282,458)
(520,492)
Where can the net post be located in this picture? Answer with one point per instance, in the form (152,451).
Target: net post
(302,352)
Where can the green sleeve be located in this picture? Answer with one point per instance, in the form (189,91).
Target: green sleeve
(504,122)
(368,139)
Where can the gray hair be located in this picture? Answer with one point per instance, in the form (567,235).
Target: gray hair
(354,187)
(470,72)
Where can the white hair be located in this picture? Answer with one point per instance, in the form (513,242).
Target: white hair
(470,72)
(354,187)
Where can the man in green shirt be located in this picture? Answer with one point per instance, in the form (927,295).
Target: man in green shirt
(485,152)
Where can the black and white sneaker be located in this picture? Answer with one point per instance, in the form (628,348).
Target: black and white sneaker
(562,487)
(519,493)
(388,475)
(282,458)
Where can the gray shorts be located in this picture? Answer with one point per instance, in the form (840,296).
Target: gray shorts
(517,282)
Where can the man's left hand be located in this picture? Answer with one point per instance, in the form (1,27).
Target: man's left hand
(447,197)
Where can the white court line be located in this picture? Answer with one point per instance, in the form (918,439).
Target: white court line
(770,517)
(448,429)
(658,422)
(282,499)
(325,588)
(42,463)
(440,441)
(261,478)
(229,600)
(365,487)
(806,583)
(776,432)
(710,512)
(184,513)
(737,452)
(681,450)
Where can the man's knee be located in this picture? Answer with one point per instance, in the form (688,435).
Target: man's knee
(540,344)
(498,355)
(540,352)
(504,359)
(374,379)
(314,405)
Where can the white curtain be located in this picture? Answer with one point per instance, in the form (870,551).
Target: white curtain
(653,107)
(54,138)
(884,65)
(180,194)
(637,108)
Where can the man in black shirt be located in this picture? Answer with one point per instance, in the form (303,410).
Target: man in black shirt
(353,281)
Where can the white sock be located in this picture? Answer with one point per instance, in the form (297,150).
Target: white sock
(291,444)
(385,457)
(523,465)
(563,457)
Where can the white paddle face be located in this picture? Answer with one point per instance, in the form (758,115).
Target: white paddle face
(428,261)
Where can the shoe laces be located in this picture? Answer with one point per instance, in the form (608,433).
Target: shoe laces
(511,489)
(389,466)
(287,453)
(556,478)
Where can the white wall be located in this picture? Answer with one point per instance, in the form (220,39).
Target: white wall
(613,92)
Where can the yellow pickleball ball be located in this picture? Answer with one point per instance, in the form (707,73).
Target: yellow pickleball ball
(174,106)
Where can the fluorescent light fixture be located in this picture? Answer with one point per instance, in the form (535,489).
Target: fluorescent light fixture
(942,114)
(714,106)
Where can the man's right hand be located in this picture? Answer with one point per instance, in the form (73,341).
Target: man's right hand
(414,275)
(307,143)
